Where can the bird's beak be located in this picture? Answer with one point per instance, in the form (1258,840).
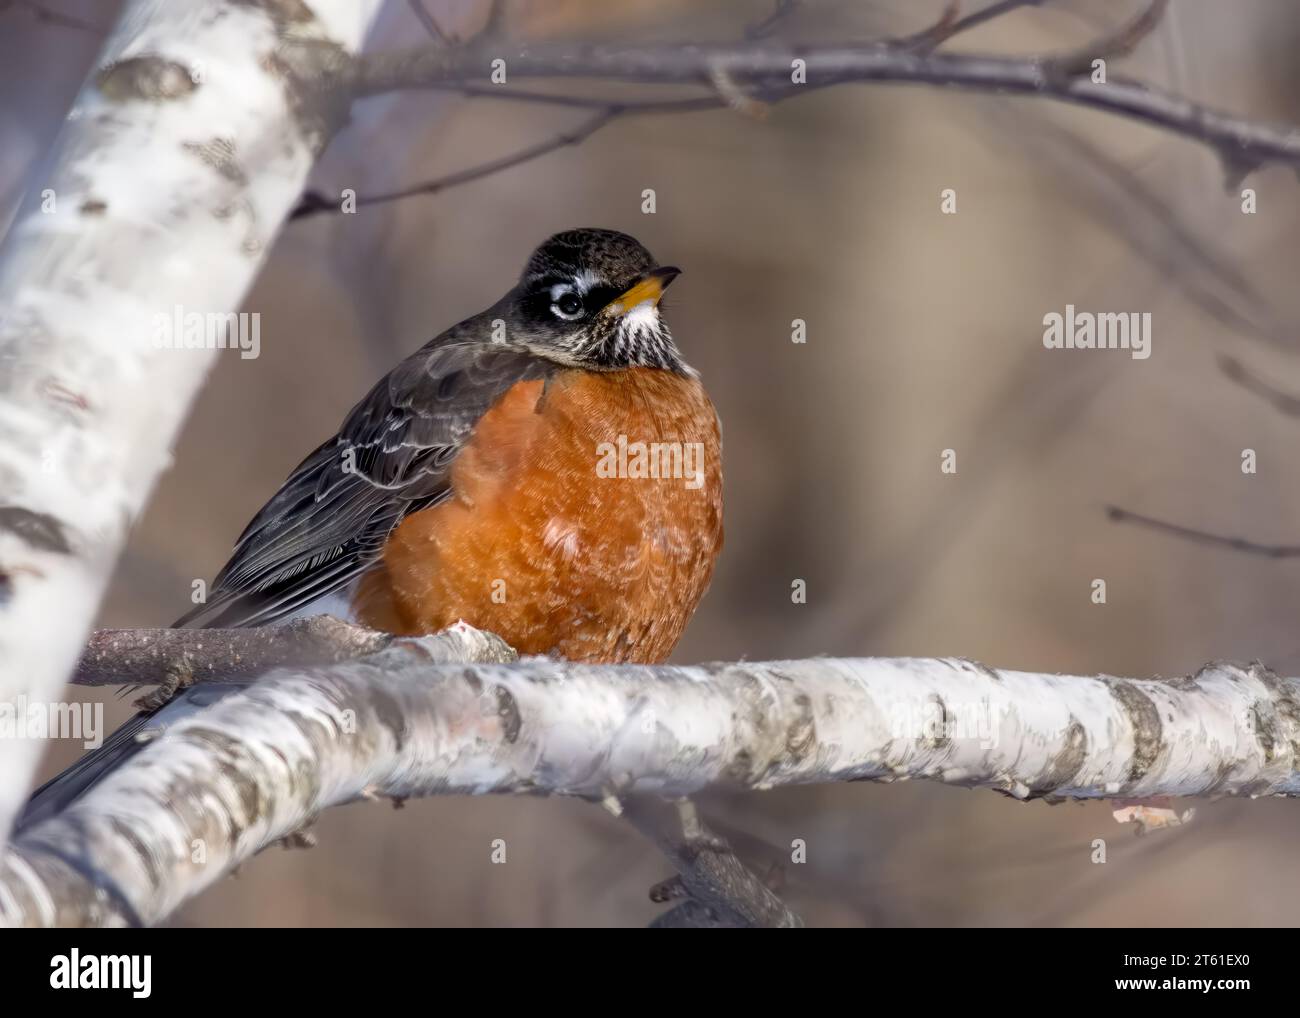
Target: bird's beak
(649,287)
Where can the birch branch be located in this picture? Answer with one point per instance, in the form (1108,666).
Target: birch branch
(179,160)
(255,766)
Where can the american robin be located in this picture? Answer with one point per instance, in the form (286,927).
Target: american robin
(549,469)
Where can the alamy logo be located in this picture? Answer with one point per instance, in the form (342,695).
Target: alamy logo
(209,330)
(35,719)
(1106,330)
(102,972)
(652,460)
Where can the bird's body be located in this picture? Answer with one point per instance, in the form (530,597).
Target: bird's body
(549,470)
(551,554)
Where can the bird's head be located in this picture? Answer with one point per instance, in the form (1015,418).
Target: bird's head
(590,298)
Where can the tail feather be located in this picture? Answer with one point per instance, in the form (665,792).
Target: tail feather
(228,610)
(64,789)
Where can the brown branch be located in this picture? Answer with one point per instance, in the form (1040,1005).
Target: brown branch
(1152,226)
(494,25)
(927,39)
(719,889)
(1236,371)
(1276,551)
(949,26)
(142,656)
(745,79)
(766,26)
(51,17)
(313,202)
(765,68)
(430,23)
(1119,43)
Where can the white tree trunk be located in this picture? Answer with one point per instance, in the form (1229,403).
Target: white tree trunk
(179,160)
(255,766)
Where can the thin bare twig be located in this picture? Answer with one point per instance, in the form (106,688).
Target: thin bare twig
(1119,43)
(430,23)
(728,91)
(501,93)
(949,25)
(734,96)
(928,38)
(758,68)
(494,25)
(748,78)
(1237,372)
(313,202)
(1145,219)
(52,17)
(1276,551)
(766,26)
(723,891)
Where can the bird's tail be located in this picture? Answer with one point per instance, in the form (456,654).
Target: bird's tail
(64,789)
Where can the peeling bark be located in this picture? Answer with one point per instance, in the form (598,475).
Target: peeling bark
(218,786)
(137,218)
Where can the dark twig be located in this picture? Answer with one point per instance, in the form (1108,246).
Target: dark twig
(1237,372)
(949,25)
(147,656)
(1244,142)
(313,202)
(495,23)
(505,94)
(1119,43)
(1277,551)
(719,888)
(51,17)
(430,23)
(1149,223)
(492,26)
(766,26)
(927,39)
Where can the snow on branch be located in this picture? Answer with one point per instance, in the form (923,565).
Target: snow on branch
(260,763)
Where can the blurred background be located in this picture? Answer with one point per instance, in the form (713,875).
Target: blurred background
(924,332)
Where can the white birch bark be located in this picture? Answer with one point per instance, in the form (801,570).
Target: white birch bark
(255,766)
(179,160)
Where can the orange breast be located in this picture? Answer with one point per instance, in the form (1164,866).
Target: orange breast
(584,521)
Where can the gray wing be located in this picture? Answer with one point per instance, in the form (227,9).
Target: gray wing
(392,456)
(327,524)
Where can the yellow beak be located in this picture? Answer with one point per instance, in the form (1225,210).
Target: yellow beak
(650,288)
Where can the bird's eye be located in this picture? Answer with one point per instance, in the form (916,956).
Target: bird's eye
(568,306)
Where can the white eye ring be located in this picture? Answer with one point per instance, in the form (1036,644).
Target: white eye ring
(560,294)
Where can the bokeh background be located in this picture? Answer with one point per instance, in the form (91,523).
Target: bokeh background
(924,333)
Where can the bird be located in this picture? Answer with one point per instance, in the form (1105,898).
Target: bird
(549,469)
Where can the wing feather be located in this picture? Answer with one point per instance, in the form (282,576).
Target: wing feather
(328,522)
